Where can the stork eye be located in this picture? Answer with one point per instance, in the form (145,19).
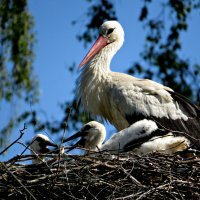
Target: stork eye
(40,140)
(110,30)
(86,127)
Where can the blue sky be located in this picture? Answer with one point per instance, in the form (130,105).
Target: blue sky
(57,48)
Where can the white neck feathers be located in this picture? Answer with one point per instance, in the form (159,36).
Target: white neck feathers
(94,75)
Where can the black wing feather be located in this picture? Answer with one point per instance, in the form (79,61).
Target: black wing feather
(186,105)
(138,142)
(189,128)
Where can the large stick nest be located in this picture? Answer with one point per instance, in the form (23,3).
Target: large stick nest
(102,176)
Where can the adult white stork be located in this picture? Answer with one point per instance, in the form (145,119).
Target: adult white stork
(123,99)
(141,137)
(38,145)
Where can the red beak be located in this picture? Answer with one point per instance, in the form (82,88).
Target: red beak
(97,46)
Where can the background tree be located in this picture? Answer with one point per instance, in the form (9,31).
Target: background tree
(17,80)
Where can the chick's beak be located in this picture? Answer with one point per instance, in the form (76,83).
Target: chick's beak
(76,135)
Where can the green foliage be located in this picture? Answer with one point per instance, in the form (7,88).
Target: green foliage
(16,52)
(161,51)
(17,80)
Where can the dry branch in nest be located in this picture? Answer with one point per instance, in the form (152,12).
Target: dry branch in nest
(101,176)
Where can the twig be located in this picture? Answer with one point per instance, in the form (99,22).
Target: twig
(131,177)
(64,132)
(21,134)
(23,186)
(66,123)
(103,175)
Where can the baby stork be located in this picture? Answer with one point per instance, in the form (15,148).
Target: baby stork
(39,146)
(141,137)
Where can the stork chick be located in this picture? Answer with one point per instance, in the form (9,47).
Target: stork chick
(141,137)
(39,145)
(92,136)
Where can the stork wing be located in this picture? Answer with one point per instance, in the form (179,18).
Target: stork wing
(133,136)
(190,127)
(135,99)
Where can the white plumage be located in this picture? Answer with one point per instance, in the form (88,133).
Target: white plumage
(92,136)
(139,138)
(123,99)
(39,144)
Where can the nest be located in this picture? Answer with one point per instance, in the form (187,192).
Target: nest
(101,176)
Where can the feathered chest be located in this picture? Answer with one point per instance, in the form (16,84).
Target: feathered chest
(92,91)
(95,93)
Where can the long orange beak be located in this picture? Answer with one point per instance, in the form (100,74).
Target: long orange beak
(97,46)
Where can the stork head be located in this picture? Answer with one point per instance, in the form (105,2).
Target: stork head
(92,136)
(39,145)
(110,32)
